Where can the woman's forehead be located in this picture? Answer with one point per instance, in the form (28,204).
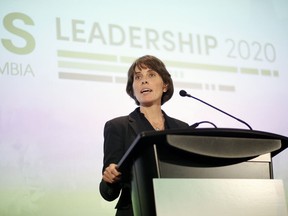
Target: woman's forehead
(139,70)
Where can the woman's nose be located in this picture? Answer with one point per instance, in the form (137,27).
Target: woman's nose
(144,82)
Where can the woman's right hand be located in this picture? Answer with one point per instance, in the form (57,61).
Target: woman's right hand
(111,174)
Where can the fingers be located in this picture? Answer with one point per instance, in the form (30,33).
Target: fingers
(111,174)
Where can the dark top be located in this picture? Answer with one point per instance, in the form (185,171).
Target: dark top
(119,133)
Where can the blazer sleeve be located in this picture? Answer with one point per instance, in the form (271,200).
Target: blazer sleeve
(114,149)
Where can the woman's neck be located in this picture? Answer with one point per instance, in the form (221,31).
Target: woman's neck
(155,116)
(153,112)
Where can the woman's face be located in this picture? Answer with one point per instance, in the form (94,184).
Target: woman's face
(148,86)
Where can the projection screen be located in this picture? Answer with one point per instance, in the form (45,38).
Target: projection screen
(63,71)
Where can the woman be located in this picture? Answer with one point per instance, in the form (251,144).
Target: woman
(150,85)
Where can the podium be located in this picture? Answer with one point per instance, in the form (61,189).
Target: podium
(197,154)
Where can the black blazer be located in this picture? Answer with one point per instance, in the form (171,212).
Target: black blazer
(119,133)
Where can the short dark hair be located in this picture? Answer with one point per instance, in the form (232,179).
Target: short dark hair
(158,66)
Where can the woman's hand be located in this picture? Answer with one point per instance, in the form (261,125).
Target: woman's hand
(111,174)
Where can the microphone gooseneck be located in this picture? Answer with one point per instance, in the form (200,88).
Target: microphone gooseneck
(183,93)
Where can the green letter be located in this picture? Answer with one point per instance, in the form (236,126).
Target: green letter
(30,42)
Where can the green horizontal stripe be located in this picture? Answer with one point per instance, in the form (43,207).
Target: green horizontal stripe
(178,84)
(127,59)
(89,66)
(121,79)
(249,71)
(84,55)
(226,88)
(276,73)
(87,77)
(266,72)
(209,67)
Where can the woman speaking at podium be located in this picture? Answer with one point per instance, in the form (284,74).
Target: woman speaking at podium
(150,85)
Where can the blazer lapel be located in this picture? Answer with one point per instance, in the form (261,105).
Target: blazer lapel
(134,122)
(170,122)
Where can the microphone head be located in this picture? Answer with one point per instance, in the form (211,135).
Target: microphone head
(183,93)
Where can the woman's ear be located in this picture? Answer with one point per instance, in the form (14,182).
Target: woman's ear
(165,87)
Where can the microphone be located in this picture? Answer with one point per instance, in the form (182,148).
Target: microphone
(183,93)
